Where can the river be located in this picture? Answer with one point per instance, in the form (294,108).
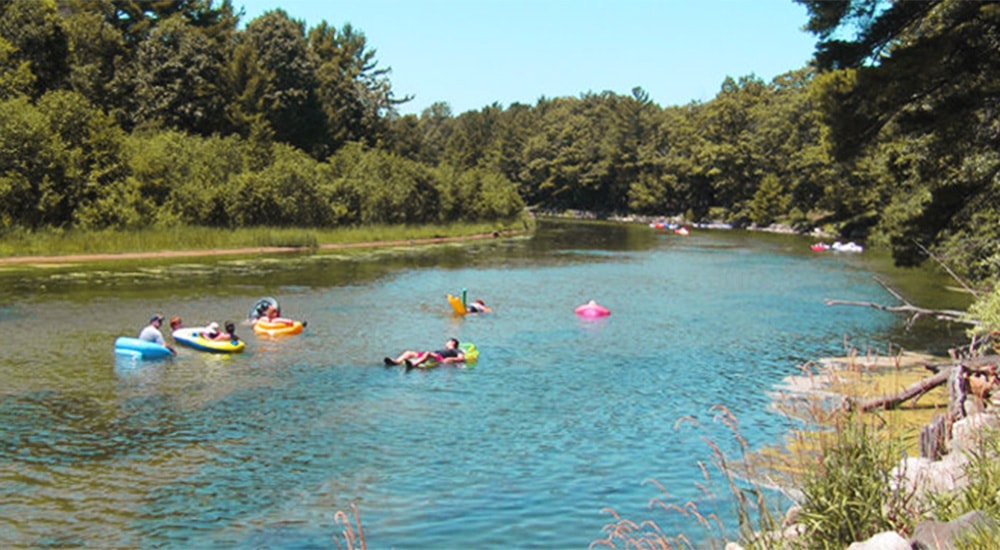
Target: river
(560,419)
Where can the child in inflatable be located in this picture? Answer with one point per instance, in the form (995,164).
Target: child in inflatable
(273,316)
(212,332)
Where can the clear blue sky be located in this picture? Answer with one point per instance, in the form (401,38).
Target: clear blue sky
(472,53)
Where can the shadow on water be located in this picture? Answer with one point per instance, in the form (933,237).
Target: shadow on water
(560,417)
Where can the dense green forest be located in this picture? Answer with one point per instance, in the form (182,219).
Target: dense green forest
(126,113)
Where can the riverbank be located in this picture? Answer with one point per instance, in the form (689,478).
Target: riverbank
(82,258)
(942,503)
(815,232)
(833,381)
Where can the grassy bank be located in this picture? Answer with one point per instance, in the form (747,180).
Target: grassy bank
(840,470)
(56,243)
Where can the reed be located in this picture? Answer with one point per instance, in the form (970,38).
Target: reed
(839,473)
(745,483)
(352,534)
(57,242)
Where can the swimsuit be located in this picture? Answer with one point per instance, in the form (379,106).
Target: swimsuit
(441,354)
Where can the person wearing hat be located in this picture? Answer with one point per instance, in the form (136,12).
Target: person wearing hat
(151,333)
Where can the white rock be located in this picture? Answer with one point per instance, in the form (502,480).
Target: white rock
(890,540)
(967,434)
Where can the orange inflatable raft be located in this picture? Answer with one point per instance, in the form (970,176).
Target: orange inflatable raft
(281,328)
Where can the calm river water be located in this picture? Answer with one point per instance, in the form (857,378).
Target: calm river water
(560,418)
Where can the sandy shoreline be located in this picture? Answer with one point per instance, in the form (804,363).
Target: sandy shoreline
(77,258)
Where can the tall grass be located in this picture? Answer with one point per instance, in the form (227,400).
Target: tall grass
(848,495)
(843,477)
(982,493)
(21,242)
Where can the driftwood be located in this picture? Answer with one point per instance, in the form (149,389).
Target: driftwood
(977,377)
(889,402)
(971,379)
(970,387)
(915,312)
(934,437)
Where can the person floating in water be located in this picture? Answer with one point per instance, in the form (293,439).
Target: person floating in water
(450,354)
(477,306)
(273,316)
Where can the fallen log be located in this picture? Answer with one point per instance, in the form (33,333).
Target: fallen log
(954,316)
(976,376)
(915,312)
(889,402)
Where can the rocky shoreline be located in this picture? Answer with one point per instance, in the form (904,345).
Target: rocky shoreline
(917,476)
(679,220)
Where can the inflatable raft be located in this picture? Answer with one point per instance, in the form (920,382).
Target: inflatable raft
(592,309)
(192,338)
(141,349)
(287,328)
(468,350)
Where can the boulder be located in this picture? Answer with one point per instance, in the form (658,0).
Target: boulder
(968,433)
(923,477)
(942,535)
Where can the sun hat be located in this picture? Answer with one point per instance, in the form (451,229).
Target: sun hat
(213,326)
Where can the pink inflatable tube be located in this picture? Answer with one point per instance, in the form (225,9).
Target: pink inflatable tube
(592,309)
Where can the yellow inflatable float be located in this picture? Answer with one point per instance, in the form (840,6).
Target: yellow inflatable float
(457,305)
(462,307)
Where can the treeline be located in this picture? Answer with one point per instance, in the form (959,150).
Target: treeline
(118,113)
(891,135)
(122,113)
(753,154)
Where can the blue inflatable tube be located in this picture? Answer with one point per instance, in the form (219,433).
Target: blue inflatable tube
(134,347)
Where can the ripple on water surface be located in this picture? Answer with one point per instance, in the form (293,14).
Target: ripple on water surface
(560,417)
